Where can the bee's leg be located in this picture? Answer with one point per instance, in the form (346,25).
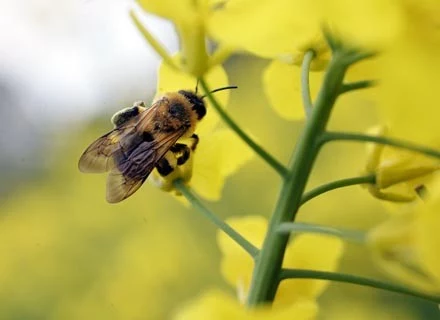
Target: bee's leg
(194,141)
(167,164)
(122,116)
(181,152)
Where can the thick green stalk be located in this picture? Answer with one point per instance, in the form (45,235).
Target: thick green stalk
(268,264)
(357,280)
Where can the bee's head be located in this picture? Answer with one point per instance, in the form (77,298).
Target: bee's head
(197,103)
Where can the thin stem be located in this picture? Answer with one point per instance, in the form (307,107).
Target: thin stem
(305,83)
(353,279)
(160,50)
(226,228)
(351,86)
(368,179)
(357,56)
(274,163)
(334,43)
(297,227)
(359,137)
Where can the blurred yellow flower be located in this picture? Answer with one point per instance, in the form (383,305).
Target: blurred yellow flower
(283,30)
(317,252)
(270,28)
(409,103)
(406,245)
(220,153)
(427,235)
(397,245)
(398,172)
(283,89)
(190,19)
(216,305)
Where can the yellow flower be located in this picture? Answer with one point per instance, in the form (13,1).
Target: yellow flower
(269,28)
(282,30)
(370,24)
(317,252)
(283,89)
(216,305)
(219,153)
(190,19)
(398,172)
(409,103)
(406,248)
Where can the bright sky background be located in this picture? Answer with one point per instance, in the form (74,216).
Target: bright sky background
(62,63)
(68,60)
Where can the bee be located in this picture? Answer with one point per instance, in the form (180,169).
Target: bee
(144,139)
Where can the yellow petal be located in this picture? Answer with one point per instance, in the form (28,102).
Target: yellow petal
(236,264)
(367,23)
(253,228)
(394,249)
(217,156)
(402,170)
(282,83)
(235,153)
(315,252)
(172,80)
(217,305)
(413,115)
(267,28)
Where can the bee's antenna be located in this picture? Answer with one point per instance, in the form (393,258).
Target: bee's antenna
(220,89)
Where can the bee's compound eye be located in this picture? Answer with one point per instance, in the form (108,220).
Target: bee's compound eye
(177,110)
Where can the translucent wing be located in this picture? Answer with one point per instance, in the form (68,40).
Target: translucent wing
(132,167)
(97,158)
(120,187)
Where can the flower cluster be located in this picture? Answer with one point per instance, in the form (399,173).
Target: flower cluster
(315,52)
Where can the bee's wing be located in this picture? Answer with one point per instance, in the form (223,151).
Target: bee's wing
(97,158)
(133,169)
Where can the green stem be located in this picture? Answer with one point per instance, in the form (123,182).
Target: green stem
(226,228)
(333,42)
(358,137)
(268,264)
(297,227)
(274,163)
(305,83)
(368,179)
(351,86)
(160,50)
(355,56)
(362,281)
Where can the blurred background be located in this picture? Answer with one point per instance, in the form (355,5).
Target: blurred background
(65,68)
